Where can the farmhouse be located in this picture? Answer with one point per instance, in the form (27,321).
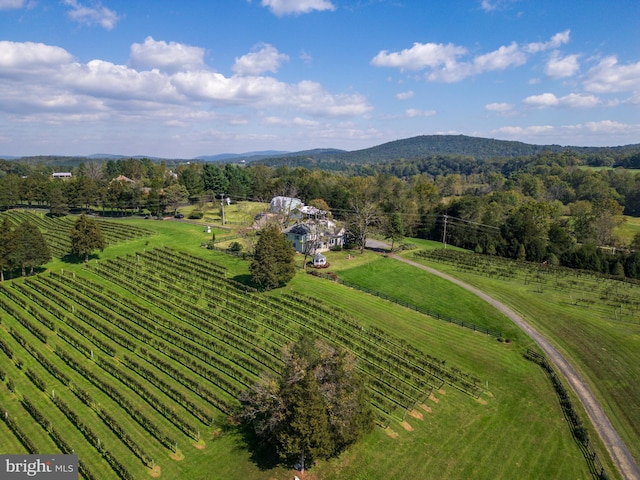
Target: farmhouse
(315,236)
(61,175)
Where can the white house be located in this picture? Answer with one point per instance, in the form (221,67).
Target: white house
(284,204)
(61,175)
(315,236)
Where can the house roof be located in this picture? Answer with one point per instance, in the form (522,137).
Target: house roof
(299,229)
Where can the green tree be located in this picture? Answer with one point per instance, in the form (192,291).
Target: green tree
(315,410)
(8,245)
(273,263)
(393,228)
(58,202)
(214,179)
(32,249)
(86,237)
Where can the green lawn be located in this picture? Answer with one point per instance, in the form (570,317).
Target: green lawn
(515,429)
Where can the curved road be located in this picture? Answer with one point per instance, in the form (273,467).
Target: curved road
(626,464)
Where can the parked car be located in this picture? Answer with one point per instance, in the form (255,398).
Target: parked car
(178,215)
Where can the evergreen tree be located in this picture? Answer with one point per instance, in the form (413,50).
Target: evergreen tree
(315,410)
(32,249)
(273,263)
(8,245)
(86,237)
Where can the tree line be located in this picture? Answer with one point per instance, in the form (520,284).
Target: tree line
(545,207)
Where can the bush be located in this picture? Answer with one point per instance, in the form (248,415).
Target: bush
(196,214)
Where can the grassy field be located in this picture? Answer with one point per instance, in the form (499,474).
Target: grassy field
(516,425)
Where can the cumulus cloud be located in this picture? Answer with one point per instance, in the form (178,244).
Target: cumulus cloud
(573,100)
(556,41)
(170,56)
(499,107)
(561,67)
(264,58)
(445,61)
(419,56)
(295,7)
(405,95)
(609,76)
(44,80)
(96,15)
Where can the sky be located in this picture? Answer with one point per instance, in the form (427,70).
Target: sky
(183,79)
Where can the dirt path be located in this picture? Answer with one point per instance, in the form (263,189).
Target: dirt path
(626,464)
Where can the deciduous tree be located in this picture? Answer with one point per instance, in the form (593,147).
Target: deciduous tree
(32,249)
(86,237)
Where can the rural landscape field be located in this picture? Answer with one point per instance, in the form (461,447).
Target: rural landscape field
(135,360)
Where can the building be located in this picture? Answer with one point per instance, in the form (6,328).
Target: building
(315,236)
(61,175)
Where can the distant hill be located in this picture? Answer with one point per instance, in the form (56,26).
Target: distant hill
(425,146)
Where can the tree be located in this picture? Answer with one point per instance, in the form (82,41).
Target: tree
(86,237)
(176,194)
(32,249)
(364,211)
(393,228)
(315,410)
(273,264)
(58,202)
(8,245)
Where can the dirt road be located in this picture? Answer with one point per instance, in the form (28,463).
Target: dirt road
(626,464)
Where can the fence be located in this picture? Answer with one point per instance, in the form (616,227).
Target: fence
(577,429)
(425,311)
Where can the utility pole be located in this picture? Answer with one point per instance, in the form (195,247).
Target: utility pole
(222,206)
(444,231)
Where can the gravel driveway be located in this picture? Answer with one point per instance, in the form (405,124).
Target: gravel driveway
(626,464)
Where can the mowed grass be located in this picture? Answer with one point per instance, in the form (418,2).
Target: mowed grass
(515,429)
(605,350)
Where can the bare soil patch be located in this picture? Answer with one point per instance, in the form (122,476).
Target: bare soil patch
(391,433)
(433,398)
(406,426)
(426,408)
(156,471)
(416,414)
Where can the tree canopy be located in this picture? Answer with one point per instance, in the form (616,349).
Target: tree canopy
(315,410)
(31,249)
(273,262)
(86,237)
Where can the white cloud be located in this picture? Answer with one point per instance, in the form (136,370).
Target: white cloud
(444,64)
(405,95)
(500,59)
(412,113)
(44,79)
(266,59)
(573,100)
(602,132)
(96,15)
(419,56)
(12,4)
(288,7)
(499,107)
(492,5)
(561,67)
(556,41)
(609,76)
(170,56)
(17,56)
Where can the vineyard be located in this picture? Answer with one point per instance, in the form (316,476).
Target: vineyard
(138,355)
(613,298)
(56,229)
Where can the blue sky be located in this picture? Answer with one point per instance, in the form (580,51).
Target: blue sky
(182,79)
